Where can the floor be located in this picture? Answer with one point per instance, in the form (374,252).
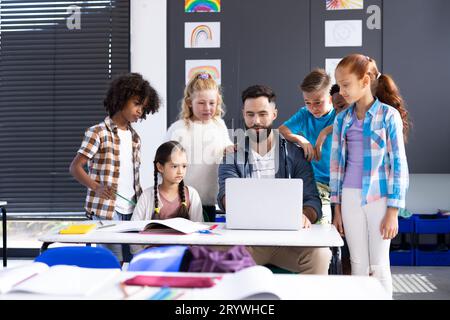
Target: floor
(409,283)
(421,283)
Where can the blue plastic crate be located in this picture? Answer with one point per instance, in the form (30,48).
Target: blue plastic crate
(402,257)
(432,224)
(406,225)
(426,256)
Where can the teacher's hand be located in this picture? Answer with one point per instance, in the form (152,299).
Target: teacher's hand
(305,222)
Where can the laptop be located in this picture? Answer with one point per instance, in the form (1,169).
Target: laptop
(264,204)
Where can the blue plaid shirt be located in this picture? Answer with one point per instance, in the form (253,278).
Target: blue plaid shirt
(385,169)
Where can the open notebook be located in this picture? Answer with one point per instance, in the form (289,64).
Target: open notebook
(253,283)
(58,280)
(171,225)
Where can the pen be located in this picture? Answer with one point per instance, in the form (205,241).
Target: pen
(213,227)
(129,201)
(207,232)
(23,280)
(126,293)
(165,294)
(179,295)
(161,294)
(171,296)
(109,225)
(124,290)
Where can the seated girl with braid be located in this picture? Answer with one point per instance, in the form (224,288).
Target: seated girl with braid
(169,197)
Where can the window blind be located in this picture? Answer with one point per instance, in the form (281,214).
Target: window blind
(56,61)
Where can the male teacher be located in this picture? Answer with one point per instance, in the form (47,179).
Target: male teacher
(266,154)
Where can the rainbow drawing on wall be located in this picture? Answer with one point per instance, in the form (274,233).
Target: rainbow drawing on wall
(345,4)
(204,69)
(212,67)
(202,34)
(201,5)
(199,34)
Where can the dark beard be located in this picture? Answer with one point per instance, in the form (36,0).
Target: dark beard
(260,136)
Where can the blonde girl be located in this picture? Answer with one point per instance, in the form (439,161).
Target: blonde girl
(204,136)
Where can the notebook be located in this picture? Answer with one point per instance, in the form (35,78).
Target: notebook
(264,204)
(61,280)
(171,281)
(78,229)
(180,225)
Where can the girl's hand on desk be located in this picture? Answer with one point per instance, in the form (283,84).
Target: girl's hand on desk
(306,222)
(337,221)
(389,224)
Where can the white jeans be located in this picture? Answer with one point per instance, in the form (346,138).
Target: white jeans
(369,253)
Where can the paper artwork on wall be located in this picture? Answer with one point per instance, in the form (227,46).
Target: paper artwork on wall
(202,35)
(201,6)
(330,67)
(344,4)
(343,33)
(212,67)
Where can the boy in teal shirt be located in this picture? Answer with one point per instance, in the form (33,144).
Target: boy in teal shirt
(306,128)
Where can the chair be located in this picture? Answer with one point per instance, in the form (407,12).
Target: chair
(85,257)
(161,258)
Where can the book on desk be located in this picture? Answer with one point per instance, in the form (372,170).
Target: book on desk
(253,283)
(60,280)
(173,225)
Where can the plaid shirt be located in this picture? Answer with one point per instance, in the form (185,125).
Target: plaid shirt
(101,145)
(385,169)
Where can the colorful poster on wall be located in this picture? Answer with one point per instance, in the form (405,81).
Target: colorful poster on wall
(330,67)
(202,35)
(201,6)
(344,4)
(212,67)
(343,33)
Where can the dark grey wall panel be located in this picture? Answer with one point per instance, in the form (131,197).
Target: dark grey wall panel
(371,39)
(278,42)
(416,51)
(262,42)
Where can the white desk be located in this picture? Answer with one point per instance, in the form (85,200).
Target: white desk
(317,236)
(293,287)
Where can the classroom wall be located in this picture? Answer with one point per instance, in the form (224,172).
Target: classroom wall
(149,57)
(427,192)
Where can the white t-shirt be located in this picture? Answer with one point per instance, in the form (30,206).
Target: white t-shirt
(125,185)
(263,166)
(204,144)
